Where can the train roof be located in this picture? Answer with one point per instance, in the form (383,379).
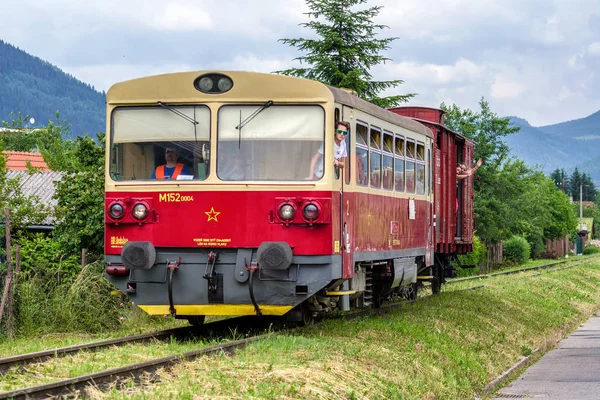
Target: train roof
(344,97)
(426,122)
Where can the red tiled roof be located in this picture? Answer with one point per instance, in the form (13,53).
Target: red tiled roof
(17,161)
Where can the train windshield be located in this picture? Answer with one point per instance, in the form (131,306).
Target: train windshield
(169,142)
(276,144)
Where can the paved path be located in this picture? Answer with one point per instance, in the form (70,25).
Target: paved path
(571,371)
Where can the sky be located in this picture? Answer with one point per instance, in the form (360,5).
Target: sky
(535,59)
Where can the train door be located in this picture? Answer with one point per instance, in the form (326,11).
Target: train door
(344,113)
(429,163)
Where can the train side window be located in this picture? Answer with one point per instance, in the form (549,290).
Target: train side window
(410,166)
(348,161)
(388,161)
(399,152)
(420,168)
(430,166)
(362,155)
(375,157)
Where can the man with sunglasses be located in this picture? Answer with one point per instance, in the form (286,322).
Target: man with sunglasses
(171,169)
(339,151)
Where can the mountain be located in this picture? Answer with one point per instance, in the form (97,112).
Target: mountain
(565,145)
(37,88)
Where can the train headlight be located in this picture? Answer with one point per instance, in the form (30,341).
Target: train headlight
(206,84)
(116,211)
(286,212)
(140,211)
(311,211)
(224,84)
(213,83)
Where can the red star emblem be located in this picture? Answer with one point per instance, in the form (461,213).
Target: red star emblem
(212,215)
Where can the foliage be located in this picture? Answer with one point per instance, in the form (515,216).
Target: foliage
(477,257)
(516,249)
(24,210)
(486,129)
(37,88)
(510,198)
(346,50)
(581,183)
(44,258)
(591,250)
(84,305)
(590,211)
(80,198)
(560,178)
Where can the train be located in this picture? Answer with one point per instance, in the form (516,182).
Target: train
(211,207)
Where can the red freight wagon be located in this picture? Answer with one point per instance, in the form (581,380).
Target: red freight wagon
(453,204)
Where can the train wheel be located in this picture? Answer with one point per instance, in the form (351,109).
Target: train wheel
(196,320)
(301,315)
(410,291)
(438,278)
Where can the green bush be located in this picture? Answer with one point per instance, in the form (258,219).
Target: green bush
(477,257)
(591,249)
(516,249)
(43,257)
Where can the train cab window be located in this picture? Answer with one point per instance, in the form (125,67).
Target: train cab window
(160,143)
(276,143)
(410,166)
(388,161)
(420,168)
(399,151)
(362,154)
(375,157)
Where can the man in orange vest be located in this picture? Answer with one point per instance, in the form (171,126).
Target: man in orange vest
(171,169)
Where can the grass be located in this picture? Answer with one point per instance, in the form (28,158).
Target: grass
(446,346)
(442,347)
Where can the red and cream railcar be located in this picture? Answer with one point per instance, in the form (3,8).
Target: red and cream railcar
(246,230)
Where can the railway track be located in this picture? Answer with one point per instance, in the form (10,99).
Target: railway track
(116,376)
(214,329)
(520,270)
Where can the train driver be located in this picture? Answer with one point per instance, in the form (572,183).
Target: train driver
(171,169)
(339,151)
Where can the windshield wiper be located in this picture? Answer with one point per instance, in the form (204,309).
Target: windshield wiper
(268,104)
(177,112)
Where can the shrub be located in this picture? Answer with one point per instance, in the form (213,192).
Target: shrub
(477,257)
(516,249)
(43,257)
(591,250)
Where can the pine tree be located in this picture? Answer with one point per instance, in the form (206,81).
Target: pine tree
(560,178)
(574,182)
(346,50)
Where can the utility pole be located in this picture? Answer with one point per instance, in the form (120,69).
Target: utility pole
(580,206)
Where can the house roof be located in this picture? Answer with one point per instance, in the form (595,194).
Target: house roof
(17,161)
(40,184)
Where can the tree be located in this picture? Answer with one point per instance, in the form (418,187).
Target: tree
(346,51)
(582,182)
(80,197)
(510,198)
(560,178)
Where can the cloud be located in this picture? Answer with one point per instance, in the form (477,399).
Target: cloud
(460,72)
(537,59)
(594,49)
(505,88)
(181,16)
